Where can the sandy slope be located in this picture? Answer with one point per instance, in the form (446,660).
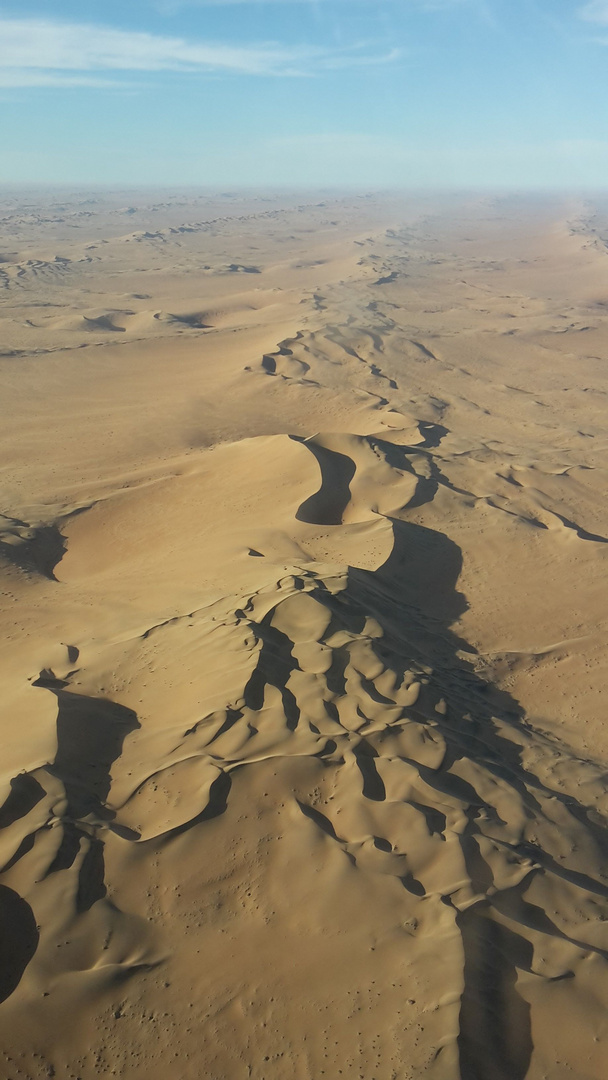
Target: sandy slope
(303,557)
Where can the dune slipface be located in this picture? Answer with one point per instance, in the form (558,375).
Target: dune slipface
(303,552)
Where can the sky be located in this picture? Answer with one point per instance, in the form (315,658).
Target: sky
(445,94)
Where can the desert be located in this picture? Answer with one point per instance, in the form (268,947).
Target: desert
(304,601)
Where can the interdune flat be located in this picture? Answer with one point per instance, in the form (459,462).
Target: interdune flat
(304,560)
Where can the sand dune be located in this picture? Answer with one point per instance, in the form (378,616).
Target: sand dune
(304,611)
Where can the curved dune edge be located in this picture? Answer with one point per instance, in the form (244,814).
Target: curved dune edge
(266,812)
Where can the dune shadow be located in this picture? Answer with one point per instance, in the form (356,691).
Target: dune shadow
(327,505)
(495,1038)
(414,598)
(18,939)
(433,434)
(216,806)
(479,763)
(274,667)
(39,553)
(90,737)
(24,794)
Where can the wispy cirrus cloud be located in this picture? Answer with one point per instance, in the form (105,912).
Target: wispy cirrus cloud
(14,79)
(596,12)
(172,7)
(45,52)
(481,8)
(427,5)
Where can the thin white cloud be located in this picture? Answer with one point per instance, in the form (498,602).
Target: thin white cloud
(31,50)
(354,59)
(169,7)
(596,12)
(482,8)
(49,45)
(14,78)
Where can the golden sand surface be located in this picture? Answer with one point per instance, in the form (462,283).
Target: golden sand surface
(304,601)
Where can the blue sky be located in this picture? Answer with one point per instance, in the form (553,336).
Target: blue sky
(299,93)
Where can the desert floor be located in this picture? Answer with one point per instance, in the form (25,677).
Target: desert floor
(304,610)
